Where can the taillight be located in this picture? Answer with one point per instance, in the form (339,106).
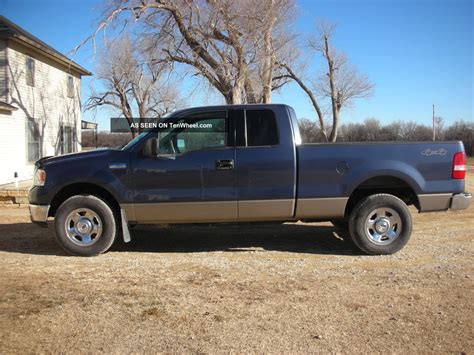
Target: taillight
(459,166)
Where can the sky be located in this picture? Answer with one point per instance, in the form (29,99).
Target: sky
(416,52)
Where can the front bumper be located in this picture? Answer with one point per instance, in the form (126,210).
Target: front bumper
(460,201)
(39,214)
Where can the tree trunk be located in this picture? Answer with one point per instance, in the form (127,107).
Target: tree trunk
(237,91)
(312,98)
(141,114)
(335,125)
(249,92)
(334,94)
(268,61)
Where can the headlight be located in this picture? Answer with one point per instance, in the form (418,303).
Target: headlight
(40,177)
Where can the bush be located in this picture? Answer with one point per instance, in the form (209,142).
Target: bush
(463,131)
(105,139)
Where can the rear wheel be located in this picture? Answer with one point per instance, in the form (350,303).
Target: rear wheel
(85,225)
(380,224)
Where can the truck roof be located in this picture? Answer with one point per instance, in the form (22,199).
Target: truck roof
(226,107)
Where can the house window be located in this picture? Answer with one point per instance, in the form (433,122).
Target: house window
(70,86)
(33,136)
(30,71)
(66,140)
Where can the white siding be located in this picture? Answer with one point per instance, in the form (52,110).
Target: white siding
(46,102)
(3,70)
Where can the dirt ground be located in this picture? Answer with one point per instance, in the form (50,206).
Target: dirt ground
(266,288)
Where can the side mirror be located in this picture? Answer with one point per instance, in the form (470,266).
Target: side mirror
(151,148)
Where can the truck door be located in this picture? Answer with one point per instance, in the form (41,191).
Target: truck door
(192,179)
(266,164)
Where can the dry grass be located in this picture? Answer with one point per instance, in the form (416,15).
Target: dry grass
(296,287)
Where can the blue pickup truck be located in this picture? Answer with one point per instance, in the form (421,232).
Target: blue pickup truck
(245,163)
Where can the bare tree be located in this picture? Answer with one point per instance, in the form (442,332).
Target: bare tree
(463,131)
(233,45)
(372,129)
(290,73)
(310,132)
(135,82)
(438,126)
(340,84)
(391,132)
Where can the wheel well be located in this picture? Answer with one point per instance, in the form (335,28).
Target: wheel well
(383,184)
(82,189)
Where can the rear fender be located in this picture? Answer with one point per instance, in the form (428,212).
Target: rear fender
(391,168)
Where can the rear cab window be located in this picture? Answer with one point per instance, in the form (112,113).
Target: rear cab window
(261,128)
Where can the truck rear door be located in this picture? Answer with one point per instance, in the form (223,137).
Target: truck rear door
(265,163)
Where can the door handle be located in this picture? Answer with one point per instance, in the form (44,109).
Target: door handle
(225,164)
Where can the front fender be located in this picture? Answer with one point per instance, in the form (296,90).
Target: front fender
(95,171)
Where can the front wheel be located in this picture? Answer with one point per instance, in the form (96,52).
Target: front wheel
(380,224)
(85,225)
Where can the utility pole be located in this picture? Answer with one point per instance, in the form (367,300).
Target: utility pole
(434,127)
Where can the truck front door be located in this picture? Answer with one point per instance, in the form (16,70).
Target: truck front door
(192,178)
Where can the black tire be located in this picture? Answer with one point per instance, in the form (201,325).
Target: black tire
(365,238)
(342,223)
(107,220)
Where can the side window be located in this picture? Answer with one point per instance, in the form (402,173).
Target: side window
(197,132)
(33,137)
(66,139)
(261,128)
(70,86)
(30,71)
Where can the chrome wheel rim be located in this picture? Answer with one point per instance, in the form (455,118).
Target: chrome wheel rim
(83,227)
(383,226)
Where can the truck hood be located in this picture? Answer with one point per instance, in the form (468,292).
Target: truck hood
(67,158)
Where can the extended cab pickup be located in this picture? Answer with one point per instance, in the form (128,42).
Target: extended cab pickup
(245,163)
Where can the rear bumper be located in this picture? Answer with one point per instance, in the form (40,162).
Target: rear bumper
(39,214)
(460,201)
(444,201)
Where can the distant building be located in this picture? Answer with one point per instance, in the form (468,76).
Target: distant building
(40,102)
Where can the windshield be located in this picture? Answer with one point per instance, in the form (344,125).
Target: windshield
(134,140)
(141,135)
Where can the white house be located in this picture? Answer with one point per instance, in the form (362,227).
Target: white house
(40,102)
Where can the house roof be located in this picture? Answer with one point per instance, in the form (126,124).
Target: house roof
(12,31)
(6,106)
(88,125)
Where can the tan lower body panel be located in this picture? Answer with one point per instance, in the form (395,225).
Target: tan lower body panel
(231,211)
(266,210)
(321,207)
(182,212)
(434,202)
(219,211)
